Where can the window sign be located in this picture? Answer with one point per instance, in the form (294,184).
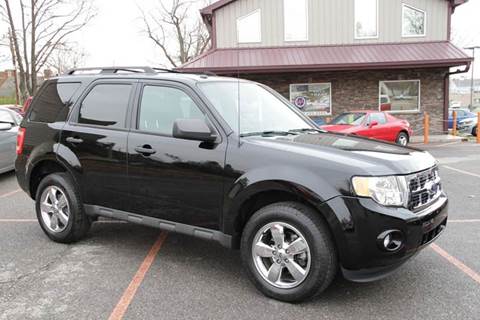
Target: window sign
(400,96)
(314,99)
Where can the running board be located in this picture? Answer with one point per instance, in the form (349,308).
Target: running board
(203,233)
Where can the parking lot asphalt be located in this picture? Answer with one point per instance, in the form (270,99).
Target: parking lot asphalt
(116,274)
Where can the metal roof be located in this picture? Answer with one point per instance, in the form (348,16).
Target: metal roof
(325,58)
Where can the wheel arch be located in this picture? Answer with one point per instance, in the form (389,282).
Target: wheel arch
(263,193)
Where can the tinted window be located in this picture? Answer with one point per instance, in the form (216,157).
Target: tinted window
(53,101)
(6,116)
(106,105)
(161,106)
(379,117)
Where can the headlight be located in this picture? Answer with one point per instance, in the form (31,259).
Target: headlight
(466,122)
(387,191)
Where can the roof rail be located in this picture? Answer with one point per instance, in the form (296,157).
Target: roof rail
(114,70)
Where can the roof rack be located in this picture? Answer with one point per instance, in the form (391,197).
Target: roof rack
(115,70)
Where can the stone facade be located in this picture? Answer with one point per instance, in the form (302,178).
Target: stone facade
(355,90)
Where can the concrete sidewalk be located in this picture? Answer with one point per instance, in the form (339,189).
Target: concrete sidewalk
(440,138)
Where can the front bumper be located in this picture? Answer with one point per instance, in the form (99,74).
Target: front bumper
(362,220)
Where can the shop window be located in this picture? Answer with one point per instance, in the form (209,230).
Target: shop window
(314,99)
(249,28)
(399,96)
(295,14)
(366,19)
(413,22)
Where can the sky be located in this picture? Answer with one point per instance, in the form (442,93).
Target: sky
(116,37)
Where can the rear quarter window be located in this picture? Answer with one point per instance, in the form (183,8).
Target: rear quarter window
(53,101)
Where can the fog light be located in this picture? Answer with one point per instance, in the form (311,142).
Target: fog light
(390,240)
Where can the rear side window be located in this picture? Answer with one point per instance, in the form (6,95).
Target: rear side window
(106,105)
(379,117)
(161,106)
(53,101)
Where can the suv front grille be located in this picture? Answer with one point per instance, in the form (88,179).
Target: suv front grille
(424,188)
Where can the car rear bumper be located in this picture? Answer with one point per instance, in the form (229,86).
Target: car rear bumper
(363,256)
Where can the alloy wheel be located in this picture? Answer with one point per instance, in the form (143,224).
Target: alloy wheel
(281,255)
(54,208)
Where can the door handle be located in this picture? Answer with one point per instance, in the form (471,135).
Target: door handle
(145,150)
(74,140)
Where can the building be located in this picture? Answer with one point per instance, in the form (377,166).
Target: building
(328,57)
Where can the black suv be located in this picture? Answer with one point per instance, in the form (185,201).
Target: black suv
(228,160)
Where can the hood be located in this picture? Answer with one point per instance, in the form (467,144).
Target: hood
(365,156)
(341,128)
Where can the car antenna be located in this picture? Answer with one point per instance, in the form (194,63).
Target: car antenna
(238,94)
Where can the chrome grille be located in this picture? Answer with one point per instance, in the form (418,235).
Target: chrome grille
(424,188)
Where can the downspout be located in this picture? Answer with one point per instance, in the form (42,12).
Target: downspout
(446,93)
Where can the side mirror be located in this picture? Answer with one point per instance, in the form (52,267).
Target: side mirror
(373,124)
(5,126)
(193,129)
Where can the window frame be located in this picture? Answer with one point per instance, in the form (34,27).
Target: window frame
(311,113)
(75,115)
(377,33)
(404,6)
(135,115)
(307,21)
(419,104)
(259,11)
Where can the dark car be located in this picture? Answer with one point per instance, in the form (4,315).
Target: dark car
(170,151)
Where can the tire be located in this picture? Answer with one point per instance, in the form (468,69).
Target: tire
(474,131)
(402,139)
(61,186)
(322,267)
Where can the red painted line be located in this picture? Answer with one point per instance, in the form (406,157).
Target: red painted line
(8,194)
(457,263)
(129,293)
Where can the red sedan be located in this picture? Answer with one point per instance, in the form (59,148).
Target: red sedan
(372,124)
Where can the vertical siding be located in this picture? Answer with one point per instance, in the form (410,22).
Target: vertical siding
(330,22)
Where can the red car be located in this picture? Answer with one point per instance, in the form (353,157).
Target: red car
(372,124)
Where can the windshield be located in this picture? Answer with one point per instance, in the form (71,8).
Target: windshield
(351,118)
(261,111)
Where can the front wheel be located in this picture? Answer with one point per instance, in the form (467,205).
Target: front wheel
(474,131)
(402,139)
(288,252)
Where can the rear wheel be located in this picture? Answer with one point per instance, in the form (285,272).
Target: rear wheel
(288,252)
(402,139)
(474,131)
(60,210)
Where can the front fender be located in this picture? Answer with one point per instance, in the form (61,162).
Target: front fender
(299,182)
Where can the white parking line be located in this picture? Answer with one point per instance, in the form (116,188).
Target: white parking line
(462,171)
(464,221)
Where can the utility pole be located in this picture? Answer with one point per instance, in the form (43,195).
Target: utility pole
(473,48)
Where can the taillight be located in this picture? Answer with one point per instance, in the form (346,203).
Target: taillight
(20,140)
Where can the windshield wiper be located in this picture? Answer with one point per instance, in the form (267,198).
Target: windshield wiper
(307,130)
(267,133)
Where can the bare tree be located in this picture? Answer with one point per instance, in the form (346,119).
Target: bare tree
(172,29)
(38,28)
(66,57)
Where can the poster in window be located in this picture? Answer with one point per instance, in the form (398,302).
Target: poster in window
(314,99)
